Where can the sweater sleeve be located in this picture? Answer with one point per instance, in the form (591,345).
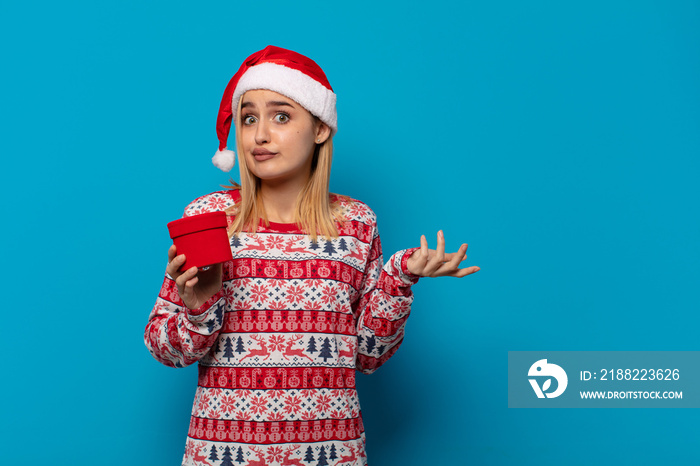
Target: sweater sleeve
(384,306)
(175,335)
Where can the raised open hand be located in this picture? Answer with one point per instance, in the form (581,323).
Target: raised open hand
(195,286)
(426,262)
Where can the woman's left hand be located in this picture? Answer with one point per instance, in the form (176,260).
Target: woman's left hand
(426,262)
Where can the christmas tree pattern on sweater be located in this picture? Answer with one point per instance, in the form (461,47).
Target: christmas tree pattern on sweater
(279,344)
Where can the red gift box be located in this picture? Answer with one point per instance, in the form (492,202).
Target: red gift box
(202,239)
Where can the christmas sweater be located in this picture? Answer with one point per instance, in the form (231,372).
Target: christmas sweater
(279,344)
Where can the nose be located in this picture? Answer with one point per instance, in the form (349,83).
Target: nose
(262,133)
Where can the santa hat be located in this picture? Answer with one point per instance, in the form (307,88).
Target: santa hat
(285,72)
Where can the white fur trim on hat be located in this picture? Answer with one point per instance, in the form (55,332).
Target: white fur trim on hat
(300,87)
(224,160)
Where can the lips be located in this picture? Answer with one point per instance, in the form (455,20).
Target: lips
(262,154)
(261,151)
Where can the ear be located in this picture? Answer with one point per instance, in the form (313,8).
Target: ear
(323,132)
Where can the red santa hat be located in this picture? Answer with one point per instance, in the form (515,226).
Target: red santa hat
(285,72)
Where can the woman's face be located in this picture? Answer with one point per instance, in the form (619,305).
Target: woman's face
(278,137)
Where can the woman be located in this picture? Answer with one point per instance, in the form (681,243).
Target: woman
(279,331)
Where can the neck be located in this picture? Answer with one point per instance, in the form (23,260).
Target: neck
(280,199)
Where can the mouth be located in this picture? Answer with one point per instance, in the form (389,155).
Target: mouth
(261,154)
(261,151)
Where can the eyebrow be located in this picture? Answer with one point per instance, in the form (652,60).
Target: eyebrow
(271,103)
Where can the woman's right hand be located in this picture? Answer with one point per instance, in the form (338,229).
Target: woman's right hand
(195,286)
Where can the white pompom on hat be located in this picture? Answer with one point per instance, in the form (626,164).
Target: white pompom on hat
(285,72)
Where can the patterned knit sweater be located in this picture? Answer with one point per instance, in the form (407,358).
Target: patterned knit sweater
(279,344)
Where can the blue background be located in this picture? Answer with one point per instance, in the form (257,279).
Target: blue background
(559,139)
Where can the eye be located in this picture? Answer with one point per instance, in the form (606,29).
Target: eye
(281,118)
(248,120)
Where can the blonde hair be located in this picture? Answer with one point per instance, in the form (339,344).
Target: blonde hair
(314,211)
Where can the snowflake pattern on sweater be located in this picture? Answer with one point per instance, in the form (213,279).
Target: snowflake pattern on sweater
(279,344)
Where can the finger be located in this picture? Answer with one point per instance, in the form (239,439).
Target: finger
(427,256)
(424,246)
(440,246)
(419,257)
(467,271)
(184,277)
(172,252)
(437,259)
(456,257)
(461,253)
(189,284)
(174,265)
(424,252)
